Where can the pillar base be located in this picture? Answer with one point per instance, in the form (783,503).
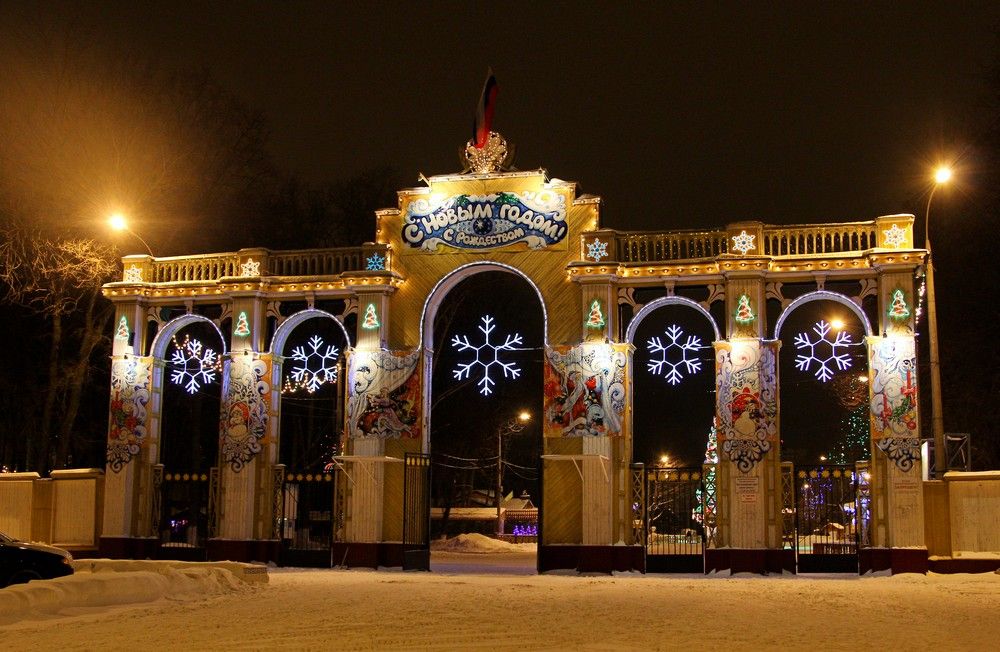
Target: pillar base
(591,559)
(963,565)
(760,561)
(128,547)
(368,555)
(245,550)
(894,560)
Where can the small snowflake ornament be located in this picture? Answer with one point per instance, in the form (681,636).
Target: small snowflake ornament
(674,355)
(597,250)
(743,242)
(193,365)
(894,236)
(317,365)
(487,356)
(250,268)
(823,351)
(375,263)
(133,274)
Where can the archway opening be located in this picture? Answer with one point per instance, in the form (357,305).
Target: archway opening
(312,345)
(486,415)
(192,356)
(672,431)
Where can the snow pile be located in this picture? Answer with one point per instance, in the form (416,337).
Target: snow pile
(245,572)
(479,544)
(102,589)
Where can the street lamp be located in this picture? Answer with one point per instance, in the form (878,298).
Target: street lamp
(117,222)
(941,176)
(512,426)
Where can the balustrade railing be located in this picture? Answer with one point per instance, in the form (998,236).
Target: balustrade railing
(211,267)
(207,267)
(674,245)
(806,239)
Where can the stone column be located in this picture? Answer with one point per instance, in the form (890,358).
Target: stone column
(127,520)
(897,511)
(749,469)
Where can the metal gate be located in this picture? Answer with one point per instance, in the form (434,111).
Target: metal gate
(417,512)
(676,520)
(307,519)
(183,511)
(827,519)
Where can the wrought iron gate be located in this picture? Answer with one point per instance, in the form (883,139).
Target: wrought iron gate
(677,522)
(183,510)
(826,519)
(307,519)
(417,512)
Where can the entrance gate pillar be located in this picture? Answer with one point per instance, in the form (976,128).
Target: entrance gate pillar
(244,524)
(749,470)
(897,518)
(128,529)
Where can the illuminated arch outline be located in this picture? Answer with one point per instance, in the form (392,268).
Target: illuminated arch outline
(819,295)
(668,301)
(163,338)
(285,328)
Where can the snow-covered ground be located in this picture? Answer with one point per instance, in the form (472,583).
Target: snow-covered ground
(460,606)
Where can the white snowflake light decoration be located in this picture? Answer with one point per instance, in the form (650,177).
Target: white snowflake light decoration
(250,268)
(823,351)
(375,263)
(673,355)
(597,250)
(317,365)
(487,355)
(894,236)
(743,242)
(194,365)
(133,274)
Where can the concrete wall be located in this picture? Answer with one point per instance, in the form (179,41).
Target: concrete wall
(64,510)
(962,514)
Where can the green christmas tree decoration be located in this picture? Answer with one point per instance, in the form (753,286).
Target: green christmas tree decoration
(371,318)
(744,314)
(898,308)
(596,319)
(122,333)
(242,326)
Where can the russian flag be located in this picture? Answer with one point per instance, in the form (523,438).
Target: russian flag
(484,112)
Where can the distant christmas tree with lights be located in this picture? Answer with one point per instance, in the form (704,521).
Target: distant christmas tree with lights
(852,445)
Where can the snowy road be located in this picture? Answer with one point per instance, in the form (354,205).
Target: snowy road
(454,608)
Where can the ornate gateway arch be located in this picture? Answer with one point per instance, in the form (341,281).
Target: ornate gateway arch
(592,283)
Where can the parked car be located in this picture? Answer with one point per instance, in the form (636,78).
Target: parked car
(22,562)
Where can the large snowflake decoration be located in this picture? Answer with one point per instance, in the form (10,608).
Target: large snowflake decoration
(597,250)
(674,355)
(743,242)
(194,365)
(375,263)
(250,268)
(823,351)
(487,356)
(133,274)
(894,236)
(317,366)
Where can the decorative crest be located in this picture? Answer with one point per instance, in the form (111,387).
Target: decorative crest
(492,157)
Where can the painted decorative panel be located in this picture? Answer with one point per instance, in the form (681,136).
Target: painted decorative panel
(585,390)
(746,400)
(894,426)
(383,395)
(244,417)
(130,377)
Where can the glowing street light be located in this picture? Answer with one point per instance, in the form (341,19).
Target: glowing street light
(941,176)
(117,222)
(837,323)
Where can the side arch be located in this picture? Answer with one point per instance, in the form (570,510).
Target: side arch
(286,327)
(668,301)
(820,295)
(158,349)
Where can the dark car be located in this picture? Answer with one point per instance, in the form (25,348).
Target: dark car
(22,562)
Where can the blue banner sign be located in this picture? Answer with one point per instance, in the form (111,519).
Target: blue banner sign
(487,221)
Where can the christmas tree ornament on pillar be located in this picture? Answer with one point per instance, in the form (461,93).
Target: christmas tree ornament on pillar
(744,314)
(596,319)
(371,318)
(242,326)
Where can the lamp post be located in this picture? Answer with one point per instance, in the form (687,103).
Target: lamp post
(118,223)
(941,176)
(515,425)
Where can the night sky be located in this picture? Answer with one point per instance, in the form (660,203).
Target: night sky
(677,116)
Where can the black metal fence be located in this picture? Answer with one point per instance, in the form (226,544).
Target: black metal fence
(183,511)
(417,512)
(675,519)
(826,519)
(307,523)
